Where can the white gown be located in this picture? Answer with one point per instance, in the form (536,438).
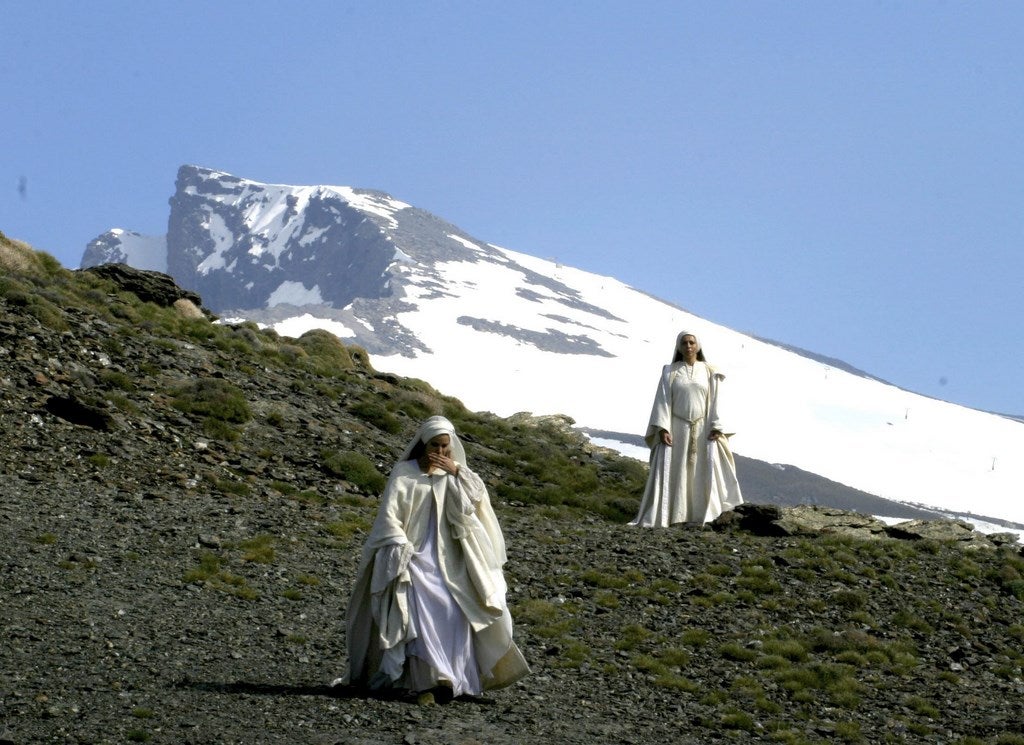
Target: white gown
(693,480)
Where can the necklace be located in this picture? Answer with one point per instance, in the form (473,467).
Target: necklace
(689,370)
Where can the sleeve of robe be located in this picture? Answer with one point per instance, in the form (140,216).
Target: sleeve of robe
(378,614)
(389,586)
(725,486)
(474,525)
(661,410)
(715,418)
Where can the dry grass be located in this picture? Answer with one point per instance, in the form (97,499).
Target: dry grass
(15,257)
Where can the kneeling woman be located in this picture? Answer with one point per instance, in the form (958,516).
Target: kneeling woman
(428,609)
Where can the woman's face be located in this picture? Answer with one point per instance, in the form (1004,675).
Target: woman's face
(440,445)
(689,347)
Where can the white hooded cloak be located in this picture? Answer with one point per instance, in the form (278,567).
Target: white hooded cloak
(428,606)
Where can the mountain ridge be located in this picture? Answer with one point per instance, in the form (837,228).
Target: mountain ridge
(511,332)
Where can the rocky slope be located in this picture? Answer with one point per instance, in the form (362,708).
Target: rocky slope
(183,505)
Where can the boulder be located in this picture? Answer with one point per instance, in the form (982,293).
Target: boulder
(809,520)
(148,286)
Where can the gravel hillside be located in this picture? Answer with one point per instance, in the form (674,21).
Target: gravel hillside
(183,505)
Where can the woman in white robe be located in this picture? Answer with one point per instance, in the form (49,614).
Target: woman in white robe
(692,477)
(428,610)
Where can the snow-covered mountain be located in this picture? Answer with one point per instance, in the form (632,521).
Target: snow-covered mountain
(507,332)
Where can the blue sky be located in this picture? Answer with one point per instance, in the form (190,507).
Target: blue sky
(844,177)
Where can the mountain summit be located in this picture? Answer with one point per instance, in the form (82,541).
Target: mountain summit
(507,332)
(352,256)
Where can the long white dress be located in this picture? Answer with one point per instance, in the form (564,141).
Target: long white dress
(428,607)
(694,479)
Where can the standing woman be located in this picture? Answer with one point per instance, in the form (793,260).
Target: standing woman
(693,475)
(428,613)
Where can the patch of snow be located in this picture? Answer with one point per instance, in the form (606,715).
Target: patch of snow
(311,236)
(147,252)
(298,325)
(295,293)
(223,240)
(638,452)
(373,204)
(468,244)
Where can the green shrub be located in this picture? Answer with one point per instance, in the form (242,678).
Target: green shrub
(259,550)
(376,414)
(546,619)
(676,682)
(347,527)
(790,649)
(100,460)
(325,354)
(355,468)
(737,652)
(850,599)
(213,398)
(604,579)
(573,652)
(673,657)
(219,430)
(772,662)
(606,599)
(415,407)
(1010,575)
(695,637)
(848,731)
(211,573)
(922,706)
(758,581)
(911,620)
(738,720)
(197,329)
(44,311)
(648,664)
(719,570)
(631,636)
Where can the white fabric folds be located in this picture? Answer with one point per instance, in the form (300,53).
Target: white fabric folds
(428,607)
(693,480)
